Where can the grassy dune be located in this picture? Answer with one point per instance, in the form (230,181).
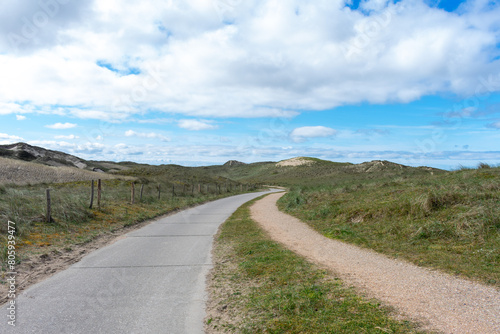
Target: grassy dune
(17,172)
(449,221)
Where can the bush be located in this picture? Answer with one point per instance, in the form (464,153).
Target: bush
(26,156)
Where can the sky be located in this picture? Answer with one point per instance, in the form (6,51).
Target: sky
(201,82)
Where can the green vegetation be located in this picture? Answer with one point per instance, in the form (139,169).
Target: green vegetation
(449,221)
(434,218)
(318,172)
(261,287)
(74,222)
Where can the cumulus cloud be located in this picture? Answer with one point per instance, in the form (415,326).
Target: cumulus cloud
(66,137)
(27,26)
(196,125)
(61,126)
(6,138)
(303,133)
(151,135)
(20,117)
(274,59)
(83,150)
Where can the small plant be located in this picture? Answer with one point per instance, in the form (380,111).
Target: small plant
(483,165)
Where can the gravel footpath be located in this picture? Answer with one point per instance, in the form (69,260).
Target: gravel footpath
(439,301)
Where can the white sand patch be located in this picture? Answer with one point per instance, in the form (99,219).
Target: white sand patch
(295,162)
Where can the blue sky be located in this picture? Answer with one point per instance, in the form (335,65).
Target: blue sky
(200,82)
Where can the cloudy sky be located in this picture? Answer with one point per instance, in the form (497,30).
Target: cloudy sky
(198,82)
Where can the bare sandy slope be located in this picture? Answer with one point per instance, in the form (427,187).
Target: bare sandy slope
(440,301)
(299,161)
(23,172)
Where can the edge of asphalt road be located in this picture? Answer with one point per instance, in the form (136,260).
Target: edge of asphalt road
(199,287)
(39,268)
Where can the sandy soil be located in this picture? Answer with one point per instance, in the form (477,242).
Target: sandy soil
(294,162)
(439,301)
(23,172)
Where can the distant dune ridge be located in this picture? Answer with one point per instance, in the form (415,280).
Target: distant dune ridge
(22,163)
(22,172)
(26,152)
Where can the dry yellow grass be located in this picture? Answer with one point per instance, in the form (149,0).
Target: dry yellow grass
(22,173)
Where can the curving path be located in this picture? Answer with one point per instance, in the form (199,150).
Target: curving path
(152,280)
(440,301)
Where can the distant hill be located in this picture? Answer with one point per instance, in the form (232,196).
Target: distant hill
(298,170)
(25,152)
(313,171)
(13,171)
(40,155)
(234,163)
(22,163)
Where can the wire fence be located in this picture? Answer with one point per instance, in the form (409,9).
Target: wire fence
(141,192)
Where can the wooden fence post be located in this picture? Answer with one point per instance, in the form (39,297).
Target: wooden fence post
(132,194)
(48,216)
(173,190)
(91,194)
(199,188)
(159,191)
(142,189)
(99,189)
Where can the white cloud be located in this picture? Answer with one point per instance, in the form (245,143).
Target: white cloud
(6,138)
(196,125)
(303,133)
(7,108)
(25,27)
(150,135)
(495,125)
(275,59)
(20,117)
(463,113)
(66,137)
(61,126)
(93,150)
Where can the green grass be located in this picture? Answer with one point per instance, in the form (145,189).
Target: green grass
(73,222)
(317,173)
(449,221)
(265,288)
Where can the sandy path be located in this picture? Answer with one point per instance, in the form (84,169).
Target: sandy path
(440,301)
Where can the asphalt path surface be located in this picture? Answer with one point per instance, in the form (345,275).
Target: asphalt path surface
(152,280)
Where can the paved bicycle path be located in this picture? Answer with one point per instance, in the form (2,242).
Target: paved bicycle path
(152,280)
